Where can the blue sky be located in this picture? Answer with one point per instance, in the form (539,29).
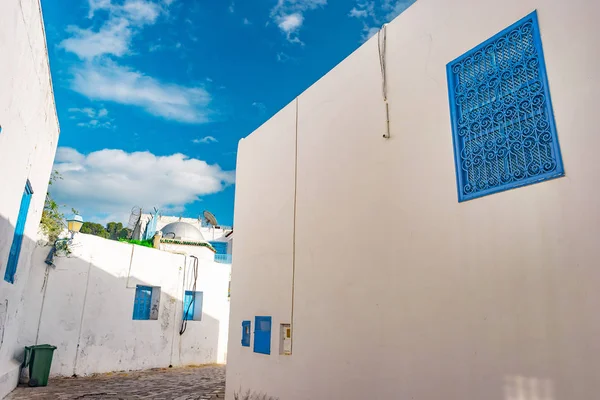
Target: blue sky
(154,95)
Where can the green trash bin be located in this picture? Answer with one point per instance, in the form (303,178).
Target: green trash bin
(39,359)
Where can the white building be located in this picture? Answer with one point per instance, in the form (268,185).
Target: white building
(492,298)
(28,138)
(111,306)
(221,237)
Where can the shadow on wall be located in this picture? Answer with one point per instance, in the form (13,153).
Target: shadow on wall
(11,299)
(84,306)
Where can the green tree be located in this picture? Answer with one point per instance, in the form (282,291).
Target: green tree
(93,228)
(53,221)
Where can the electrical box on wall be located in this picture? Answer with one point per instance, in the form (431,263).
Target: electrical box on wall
(285,339)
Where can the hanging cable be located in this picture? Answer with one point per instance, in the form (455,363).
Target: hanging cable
(381,47)
(184,320)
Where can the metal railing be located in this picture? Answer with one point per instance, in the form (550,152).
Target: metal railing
(223,258)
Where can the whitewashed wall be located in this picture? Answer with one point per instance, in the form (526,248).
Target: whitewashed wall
(494,298)
(86,307)
(27,147)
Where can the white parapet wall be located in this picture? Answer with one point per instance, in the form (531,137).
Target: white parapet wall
(493,298)
(84,306)
(28,138)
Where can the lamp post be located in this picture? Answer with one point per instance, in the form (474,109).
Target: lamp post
(74,225)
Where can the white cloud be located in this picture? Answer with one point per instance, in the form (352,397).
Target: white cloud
(99,77)
(290,23)
(113,38)
(357,13)
(109,182)
(283,57)
(205,140)
(289,15)
(108,81)
(91,118)
(232,7)
(247,21)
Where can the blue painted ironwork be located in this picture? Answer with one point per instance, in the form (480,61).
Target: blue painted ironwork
(223,258)
(502,120)
(262,335)
(221,255)
(142,302)
(15,248)
(246,333)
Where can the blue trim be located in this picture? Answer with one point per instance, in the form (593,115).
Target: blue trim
(458,145)
(15,248)
(262,335)
(142,302)
(246,326)
(188,305)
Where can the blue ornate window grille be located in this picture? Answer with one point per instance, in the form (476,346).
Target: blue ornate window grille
(15,248)
(502,120)
(246,333)
(142,302)
(262,335)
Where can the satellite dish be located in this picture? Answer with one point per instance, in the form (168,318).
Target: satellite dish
(210,218)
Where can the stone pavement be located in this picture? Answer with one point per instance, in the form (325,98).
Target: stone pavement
(190,383)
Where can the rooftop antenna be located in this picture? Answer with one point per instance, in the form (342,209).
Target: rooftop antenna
(134,220)
(210,220)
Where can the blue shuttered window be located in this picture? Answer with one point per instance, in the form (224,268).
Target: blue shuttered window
(188,306)
(262,335)
(142,302)
(246,333)
(192,306)
(502,119)
(15,248)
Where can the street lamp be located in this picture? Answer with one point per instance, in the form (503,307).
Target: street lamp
(74,224)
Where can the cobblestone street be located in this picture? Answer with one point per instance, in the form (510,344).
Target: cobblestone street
(192,383)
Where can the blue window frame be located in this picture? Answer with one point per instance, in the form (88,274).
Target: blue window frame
(220,247)
(502,120)
(262,335)
(15,248)
(192,306)
(142,302)
(246,333)
(188,305)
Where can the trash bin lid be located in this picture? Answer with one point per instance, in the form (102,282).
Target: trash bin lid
(42,347)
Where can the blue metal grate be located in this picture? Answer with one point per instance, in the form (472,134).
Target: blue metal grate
(142,302)
(246,333)
(262,335)
(502,119)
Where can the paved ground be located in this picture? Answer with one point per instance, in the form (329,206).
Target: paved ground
(192,383)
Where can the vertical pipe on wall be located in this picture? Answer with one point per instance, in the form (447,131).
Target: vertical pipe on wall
(44,288)
(87,285)
(294,231)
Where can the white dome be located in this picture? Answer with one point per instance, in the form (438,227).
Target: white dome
(182,231)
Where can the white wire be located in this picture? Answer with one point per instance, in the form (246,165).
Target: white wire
(381,47)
